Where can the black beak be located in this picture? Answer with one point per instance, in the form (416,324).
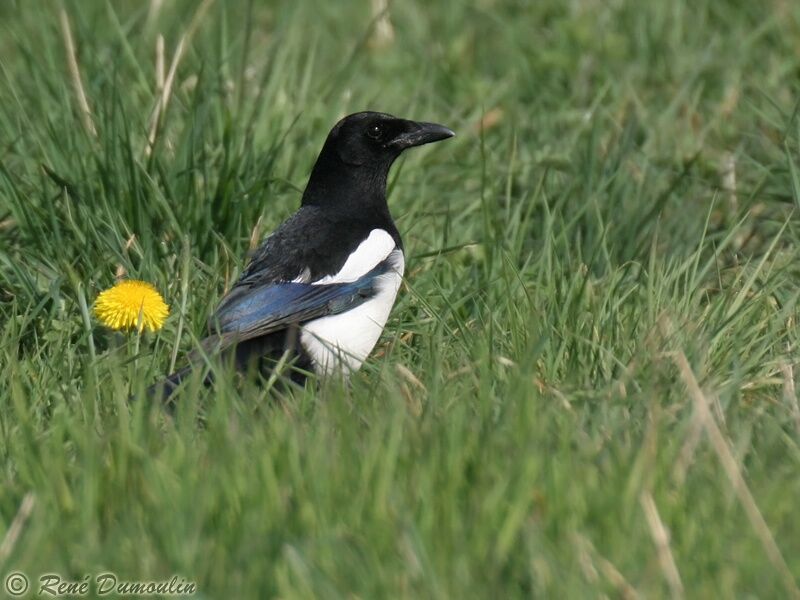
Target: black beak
(418,133)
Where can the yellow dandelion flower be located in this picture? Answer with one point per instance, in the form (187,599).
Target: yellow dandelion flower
(119,307)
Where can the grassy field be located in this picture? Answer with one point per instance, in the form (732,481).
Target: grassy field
(587,387)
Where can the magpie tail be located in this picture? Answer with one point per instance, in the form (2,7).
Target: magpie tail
(255,355)
(163,390)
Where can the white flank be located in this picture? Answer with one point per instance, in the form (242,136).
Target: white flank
(340,343)
(363,259)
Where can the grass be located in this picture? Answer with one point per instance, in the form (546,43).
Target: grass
(587,386)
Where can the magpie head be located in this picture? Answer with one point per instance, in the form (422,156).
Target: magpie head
(359,151)
(371,138)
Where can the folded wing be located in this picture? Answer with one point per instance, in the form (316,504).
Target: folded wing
(271,307)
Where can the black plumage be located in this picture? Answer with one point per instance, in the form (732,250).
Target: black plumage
(281,289)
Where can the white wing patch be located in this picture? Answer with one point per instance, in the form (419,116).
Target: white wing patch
(373,250)
(341,343)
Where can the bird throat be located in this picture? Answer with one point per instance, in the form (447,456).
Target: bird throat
(341,186)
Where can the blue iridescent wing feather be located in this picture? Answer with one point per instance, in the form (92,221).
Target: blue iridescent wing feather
(274,306)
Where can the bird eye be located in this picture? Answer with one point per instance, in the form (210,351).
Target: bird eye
(375,132)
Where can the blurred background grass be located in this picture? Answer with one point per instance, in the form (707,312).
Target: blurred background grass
(620,196)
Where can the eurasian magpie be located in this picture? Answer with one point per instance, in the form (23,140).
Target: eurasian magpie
(321,286)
